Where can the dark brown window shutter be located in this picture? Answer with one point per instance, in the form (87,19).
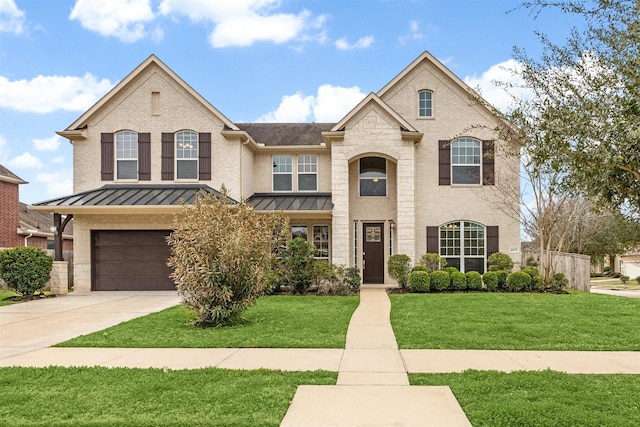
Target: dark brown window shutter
(444,162)
(144,156)
(106,156)
(432,240)
(166,173)
(488,163)
(204,156)
(492,240)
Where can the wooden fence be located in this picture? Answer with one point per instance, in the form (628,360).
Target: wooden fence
(576,267)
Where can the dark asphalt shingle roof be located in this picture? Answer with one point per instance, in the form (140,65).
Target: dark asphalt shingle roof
(283,134)
(6,173)
(291,201)
(133,195)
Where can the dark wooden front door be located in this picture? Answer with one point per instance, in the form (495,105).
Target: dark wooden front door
(132,260)
(373,252)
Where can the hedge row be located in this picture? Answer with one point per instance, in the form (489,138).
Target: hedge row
(528,280)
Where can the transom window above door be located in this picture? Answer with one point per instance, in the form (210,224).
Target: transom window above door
(373,176)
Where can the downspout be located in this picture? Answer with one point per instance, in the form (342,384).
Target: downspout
(27,237)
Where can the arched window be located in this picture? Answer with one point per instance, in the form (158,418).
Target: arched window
(425,103)
(126,155)
(462,244)
(373,176)
(466,162)
(187,155)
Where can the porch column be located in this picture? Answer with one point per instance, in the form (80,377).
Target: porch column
(340,230)
(405,225)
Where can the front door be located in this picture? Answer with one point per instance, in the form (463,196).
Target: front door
(373,252)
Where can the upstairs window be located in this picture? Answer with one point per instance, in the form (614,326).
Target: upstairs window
(425,103)
(126,155)
(307,173)
(465,161)
(282,173)
(373,176)
(187,155)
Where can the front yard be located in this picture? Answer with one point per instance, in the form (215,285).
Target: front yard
(576,321)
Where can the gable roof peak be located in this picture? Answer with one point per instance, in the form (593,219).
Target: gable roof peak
(374,98)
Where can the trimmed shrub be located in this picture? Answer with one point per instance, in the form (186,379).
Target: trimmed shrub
(297,263)
(399,267)
(420,268)
(334,279)
(502,280)
(352,279)
(490,279)
(458,281)
(450,269)
(558,283)
(530,271)
(433,262)
(624,279)
(518,281)
(537,283)
(419,281)
(440,281)
(474,281)
(25,269)
(221,255)
(500,261)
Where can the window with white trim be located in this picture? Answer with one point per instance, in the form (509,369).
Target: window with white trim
(186,155)
(126,155)
(425,103)
(307,173)
(462,244)
(321,241)
(466,154)
(299,231)
(282,173)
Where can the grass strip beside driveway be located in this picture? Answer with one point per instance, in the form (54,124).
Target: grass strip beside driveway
(57,396)
(502,321)
(279,321)
(543,398)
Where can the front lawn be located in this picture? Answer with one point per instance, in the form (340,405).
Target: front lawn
(505,321)
(278,321)
(58,396)
(543,398)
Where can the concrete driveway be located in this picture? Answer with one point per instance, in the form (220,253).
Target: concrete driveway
(35,325)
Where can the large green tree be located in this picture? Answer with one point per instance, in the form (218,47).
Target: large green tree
(585,108)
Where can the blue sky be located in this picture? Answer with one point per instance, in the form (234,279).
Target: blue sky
(291,60)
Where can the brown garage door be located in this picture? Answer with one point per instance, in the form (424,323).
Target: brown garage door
(130,260)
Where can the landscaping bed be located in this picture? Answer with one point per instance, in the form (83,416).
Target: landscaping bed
(506,321)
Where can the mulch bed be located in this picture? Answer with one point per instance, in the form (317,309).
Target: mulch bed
(23,298)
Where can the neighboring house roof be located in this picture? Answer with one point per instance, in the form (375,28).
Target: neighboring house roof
(112,196)
(39,223)
(75,129)
(283,134)
(291,201)
(8,176)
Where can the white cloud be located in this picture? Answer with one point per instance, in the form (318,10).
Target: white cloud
(122,19)
(3,148)
(44,94)
(58,183)
(414,33)
(11,18)
(330,104)
(362,43)
(505,72)
(58,159)
(25,161)
(47,144)
(244,22)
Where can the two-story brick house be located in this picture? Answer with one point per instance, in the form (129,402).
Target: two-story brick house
(413,168)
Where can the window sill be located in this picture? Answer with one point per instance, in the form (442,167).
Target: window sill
(425,118)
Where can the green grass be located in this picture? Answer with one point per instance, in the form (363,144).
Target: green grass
(275,321)
(4,295)
(544,398)
(501,321)
(148,397)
